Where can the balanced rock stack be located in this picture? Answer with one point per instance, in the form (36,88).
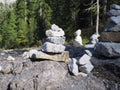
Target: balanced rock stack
(53,48)
(110,38)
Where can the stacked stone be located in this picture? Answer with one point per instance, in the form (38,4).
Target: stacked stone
(110,38)
(55,40)
(53,48)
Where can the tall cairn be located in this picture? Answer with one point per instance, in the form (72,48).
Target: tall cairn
(53,48)
(109,45)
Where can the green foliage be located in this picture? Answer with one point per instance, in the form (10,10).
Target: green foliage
(23,24)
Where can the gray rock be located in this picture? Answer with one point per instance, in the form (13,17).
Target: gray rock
(116,28)
(116,20)
(56,40)
(5,81)
(114,13)
(6,67)
(73,67)
(115,6)
(39,76)
(84,59)
(109,25)
(87,68)
(108,49)
(52,48)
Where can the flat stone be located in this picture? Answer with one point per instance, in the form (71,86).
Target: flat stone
(115,6)
(110,37)
(114,12)
(56,40)
(52,48)
(107,49)
(64,56)
(116,20)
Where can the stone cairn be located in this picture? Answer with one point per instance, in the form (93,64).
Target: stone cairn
(80,63)
(53,48)
(109,45)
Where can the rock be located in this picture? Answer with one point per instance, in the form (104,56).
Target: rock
(6,67)
(109,25)
(10,58)
(87,68)
(5,81)
(39,76)
(52,48)
(116,20)
(94,38)
(108,49)
(110,37)
(114,12)
(25,55)
(84,59)
(116,28)
(73,67)
(115,6)
(54,27)
(78,39)
(32,53)
(64,56)
(56,40)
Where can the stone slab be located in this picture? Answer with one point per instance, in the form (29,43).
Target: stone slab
(110,37)
(107,49)
(116,28)
(64,56)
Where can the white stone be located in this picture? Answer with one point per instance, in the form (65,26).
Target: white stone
(2,54)
(25,55)
(54,31)
(88,53)
(87,68)
(0,68)
(53,48)
(78,39)
(94,38)
(73,67)
(33,53)
(10,58)
(84,59)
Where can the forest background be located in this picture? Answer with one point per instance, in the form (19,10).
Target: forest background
(23,23)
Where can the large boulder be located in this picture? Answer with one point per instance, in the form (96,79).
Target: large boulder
(108,49)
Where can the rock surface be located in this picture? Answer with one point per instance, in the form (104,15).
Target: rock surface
(50,75)
(115,19)
(108,49)
(116,28)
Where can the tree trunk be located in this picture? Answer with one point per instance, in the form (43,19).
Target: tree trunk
(97,20)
